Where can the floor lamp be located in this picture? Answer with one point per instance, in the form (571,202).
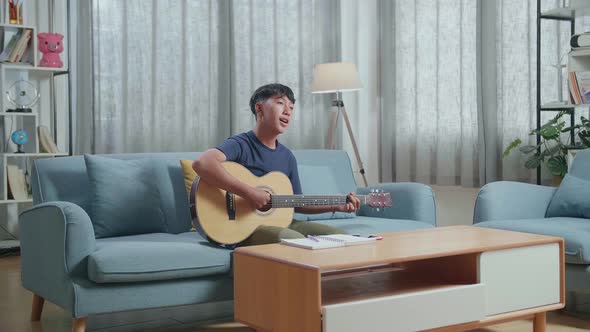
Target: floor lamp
(338,77)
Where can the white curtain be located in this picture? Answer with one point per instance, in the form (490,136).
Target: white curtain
(280,41)
(460,84)
(448,84)
(172,75)
(429,90)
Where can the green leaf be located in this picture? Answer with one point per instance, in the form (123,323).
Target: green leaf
(527,149)
(512,145)
(565,130)
(533,162)
(585,140)
(551,151)
(550,132)
(557,165)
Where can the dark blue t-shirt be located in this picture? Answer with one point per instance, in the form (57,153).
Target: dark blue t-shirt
(247,150)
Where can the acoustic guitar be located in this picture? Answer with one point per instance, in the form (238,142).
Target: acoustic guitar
(229,219)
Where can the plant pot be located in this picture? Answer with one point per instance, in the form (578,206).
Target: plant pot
(556,180)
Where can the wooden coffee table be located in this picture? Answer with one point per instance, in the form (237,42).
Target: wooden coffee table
(442,279)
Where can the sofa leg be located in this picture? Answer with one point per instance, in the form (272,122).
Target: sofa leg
(37,308)
(79,324)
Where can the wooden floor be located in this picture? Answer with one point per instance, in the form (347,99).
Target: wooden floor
(15,304)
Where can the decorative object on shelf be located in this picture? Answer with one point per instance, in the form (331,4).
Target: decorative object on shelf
(19,138)
(561,71)
(46,142)
(338,77)
(22,94)
(51,45)
(16,183)
(15,11)
(552,149)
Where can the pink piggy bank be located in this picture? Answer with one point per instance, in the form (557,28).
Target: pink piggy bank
(51,45)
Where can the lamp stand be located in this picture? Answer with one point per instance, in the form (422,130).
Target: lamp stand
(339,105)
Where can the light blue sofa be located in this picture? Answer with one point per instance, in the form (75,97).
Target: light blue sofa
(64,263)
(523,207)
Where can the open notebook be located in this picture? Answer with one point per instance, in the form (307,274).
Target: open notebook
(327,241)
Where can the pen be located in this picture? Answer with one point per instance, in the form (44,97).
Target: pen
(313,238)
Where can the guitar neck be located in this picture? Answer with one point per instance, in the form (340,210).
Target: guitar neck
(290,201)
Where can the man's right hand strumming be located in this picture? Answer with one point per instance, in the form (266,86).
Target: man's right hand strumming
(258,198)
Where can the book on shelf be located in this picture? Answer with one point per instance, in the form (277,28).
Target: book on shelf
(10,45)
(17,184)
(17,47)
(21,46)
(327,241)
(46,142)
(579,87)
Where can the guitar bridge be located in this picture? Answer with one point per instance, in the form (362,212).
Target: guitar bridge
(230,205)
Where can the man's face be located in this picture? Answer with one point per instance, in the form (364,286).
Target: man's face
(275,113)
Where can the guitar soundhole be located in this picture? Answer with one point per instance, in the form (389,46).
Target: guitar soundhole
(264,209)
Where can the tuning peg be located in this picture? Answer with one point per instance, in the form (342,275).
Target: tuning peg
(377,209)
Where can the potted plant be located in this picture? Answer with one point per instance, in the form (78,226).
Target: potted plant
(552,150)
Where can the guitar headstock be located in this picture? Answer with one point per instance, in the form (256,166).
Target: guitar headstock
(379,199)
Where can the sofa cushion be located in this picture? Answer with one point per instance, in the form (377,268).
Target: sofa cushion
(572,199)
(320,180)
(124,199)
(581,165)
(371,225)
(157,256)
(575,231)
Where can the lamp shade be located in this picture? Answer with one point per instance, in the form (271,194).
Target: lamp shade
(335,77)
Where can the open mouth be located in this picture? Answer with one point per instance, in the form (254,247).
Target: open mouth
(284,121)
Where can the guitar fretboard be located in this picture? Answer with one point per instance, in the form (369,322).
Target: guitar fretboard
(287,201)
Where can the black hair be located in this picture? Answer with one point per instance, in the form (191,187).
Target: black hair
(268,91)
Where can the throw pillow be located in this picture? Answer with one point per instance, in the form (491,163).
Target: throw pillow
(124,199)
(189,175)
(572,199)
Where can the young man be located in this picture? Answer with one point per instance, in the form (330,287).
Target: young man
(260,152)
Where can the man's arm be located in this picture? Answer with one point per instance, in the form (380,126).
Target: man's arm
(208,166)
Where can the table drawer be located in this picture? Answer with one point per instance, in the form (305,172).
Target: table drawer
(520,278)
(420,310)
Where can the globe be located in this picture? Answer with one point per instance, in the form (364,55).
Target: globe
(19,138)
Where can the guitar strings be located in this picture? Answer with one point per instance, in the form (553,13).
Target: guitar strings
(294,201)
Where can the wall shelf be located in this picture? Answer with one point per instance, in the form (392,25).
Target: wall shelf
(13,201)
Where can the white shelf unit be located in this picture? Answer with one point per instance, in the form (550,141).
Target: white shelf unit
(565,13)
(53,96)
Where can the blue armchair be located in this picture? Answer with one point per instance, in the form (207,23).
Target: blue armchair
(531,208)
(65,262)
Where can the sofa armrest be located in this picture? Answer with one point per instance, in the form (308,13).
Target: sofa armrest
(56,239)
(505,200)
(411,201)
